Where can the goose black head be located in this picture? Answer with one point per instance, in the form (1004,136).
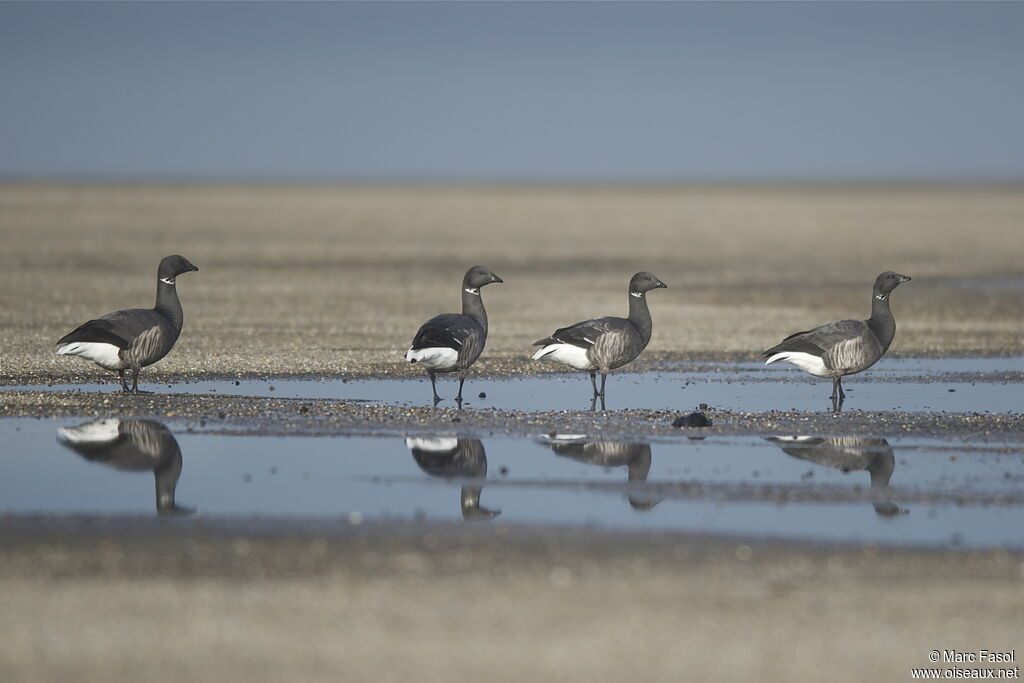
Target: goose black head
(644,282)
(477,277)
(173,266)
(886,282)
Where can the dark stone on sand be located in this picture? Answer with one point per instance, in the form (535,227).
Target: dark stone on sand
(692,420)
(482,395)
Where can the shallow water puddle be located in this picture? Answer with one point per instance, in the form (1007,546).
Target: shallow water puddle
(835,489)
(950,385)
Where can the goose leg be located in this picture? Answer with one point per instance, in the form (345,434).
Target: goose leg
(593,381)
(838,396)
(458,397)
(604,378)
(135,380)
(433,386)
(124,382)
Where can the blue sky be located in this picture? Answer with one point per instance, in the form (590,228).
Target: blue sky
(492,91)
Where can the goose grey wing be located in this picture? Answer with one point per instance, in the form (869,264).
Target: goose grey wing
(448,330)
(120,328)
(585,334)
(819,340)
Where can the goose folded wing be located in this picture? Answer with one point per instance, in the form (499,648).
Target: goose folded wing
(120,328)
(444,331)
(819,340)
(586,333)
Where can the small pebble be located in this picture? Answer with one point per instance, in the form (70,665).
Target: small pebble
(482,395)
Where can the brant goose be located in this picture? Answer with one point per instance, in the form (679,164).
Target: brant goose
(848,454)
(448,458)
(453,341)
(132,445)
(136,337)
(845,347)
(635,457)
(604,343)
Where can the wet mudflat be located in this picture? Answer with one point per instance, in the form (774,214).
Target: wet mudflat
(973,385)
(597,588)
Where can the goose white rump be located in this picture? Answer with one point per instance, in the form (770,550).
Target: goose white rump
(573,356)
(435,358)
(805,361)
(104,355)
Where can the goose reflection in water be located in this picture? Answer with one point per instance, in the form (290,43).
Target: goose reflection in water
(848,454)
(452,458)
(635,457)
(132,445)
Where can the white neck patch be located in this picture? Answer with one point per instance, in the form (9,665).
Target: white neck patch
(473,291)
(167,280)
(881,297)
(638,295)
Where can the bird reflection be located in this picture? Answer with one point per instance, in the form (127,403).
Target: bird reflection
(452,458)
(132,445)
(848,454)
(635,457)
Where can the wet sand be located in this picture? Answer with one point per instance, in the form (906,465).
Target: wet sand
(333,282)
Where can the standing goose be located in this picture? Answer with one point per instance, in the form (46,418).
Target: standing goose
(453,341)
(135,337)
(845,347)
(604,343)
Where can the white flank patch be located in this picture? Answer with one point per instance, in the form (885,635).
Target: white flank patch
(442,444)
(805,361)
(436,358)
(570,355)
(104,355)
(96,432)
(795,439)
